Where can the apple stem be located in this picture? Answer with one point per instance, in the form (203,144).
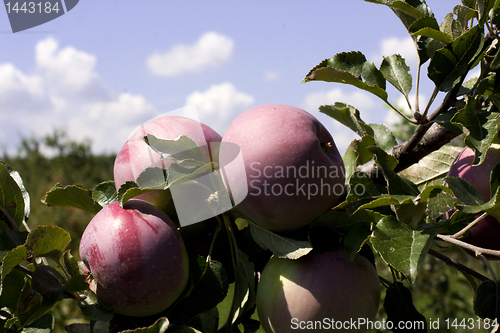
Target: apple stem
(470,225)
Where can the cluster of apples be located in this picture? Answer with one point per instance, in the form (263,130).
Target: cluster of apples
(292,173)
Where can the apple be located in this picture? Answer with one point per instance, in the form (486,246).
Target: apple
(137,259)
(486,233)
(324,287)
(293,171)
(136,155)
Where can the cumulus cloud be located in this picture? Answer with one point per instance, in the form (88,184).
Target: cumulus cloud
(211,49)
(72,69)
(65,92)
(394,45)
(219,102)
(358,99)
(20,92)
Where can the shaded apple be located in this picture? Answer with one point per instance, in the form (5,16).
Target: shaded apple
(292,295)
(136,155)
(486,233)
(136,257)
(293,171)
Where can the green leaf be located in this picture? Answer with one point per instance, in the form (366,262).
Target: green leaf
(160,326)
(183,150)
(11,288)
(451,62)
(49,283)
(435,34)
(348,116)
(487,300)
(105,193)
(464,191)
(282,247)
(48,241)
(357,151)
(13,199)
(432,169)
(44,324)
(400,246)
(384,138)
(94,309)
(397,73)
(210,287)
(398,305)
(350,68)
(395,184)
(13,258)
(481,128)
(76,196)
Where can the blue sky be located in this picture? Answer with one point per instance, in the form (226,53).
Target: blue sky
(105,67)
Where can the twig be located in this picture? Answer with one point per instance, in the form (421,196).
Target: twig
(455,264)
(477,250)
(468,226)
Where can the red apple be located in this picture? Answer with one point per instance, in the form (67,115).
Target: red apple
(486,233)
(325,288)
(136,155)
(293,171)
(136,257)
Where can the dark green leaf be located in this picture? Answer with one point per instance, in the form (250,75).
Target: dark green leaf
(76,196)
(183,150)
(348,116)
(395,184)
(160,326)
(358,151)
(105,193)
(398,305)
(451,62)
(11,288)
(13,199)
(432,169)
(282,247)
(487,300)
(94,309)
(400,246)
(48,241)
(384,138)
(464,191)
(49,283)
(44,324)
(350,68)
(397,73)
(210,288)
(435,34)
(13,258)
(481,128)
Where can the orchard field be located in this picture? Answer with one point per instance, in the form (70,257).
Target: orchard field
(408,232)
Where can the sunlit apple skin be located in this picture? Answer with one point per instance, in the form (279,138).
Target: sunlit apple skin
(136,155)
(136,257)
(486,233)
(315,287)
(276,137)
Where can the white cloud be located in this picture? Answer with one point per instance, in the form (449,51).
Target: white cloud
(20,92)
(109,124)
(72,69)
(394,45)
(359,99)
(211,49)
(219,102)
(271,75)
(392,118)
